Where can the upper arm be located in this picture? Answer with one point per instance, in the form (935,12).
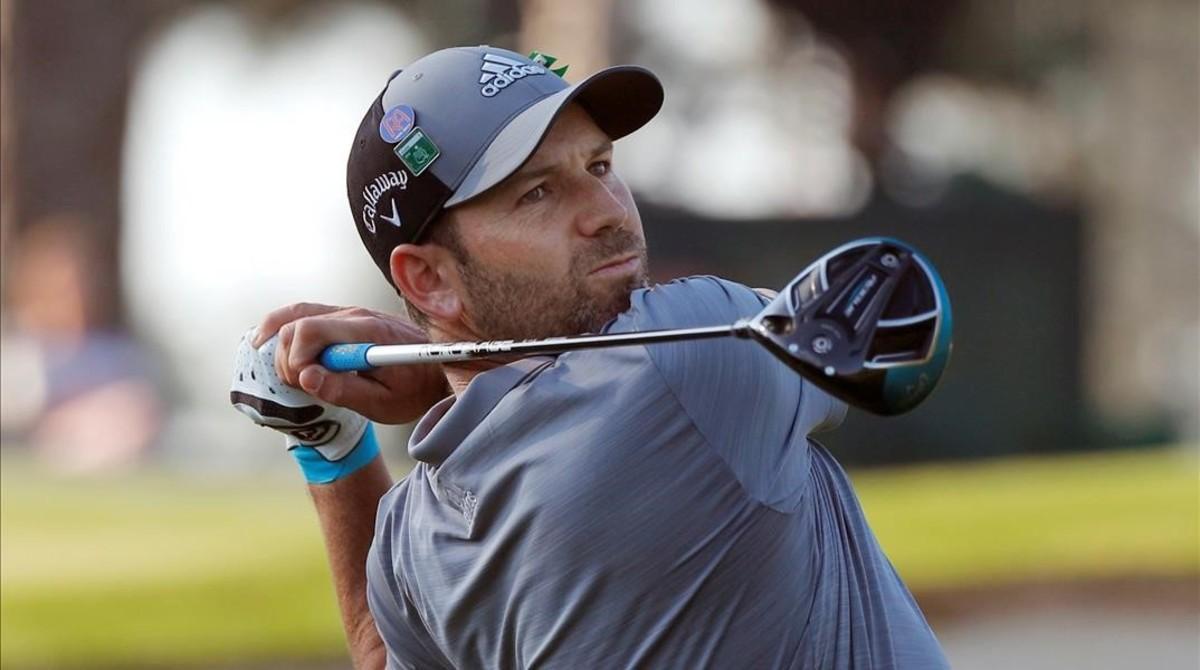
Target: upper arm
(751,407)
(409,644)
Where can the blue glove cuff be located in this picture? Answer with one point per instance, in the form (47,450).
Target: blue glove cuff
(319,470)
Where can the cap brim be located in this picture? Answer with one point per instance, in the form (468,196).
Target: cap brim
(619,99)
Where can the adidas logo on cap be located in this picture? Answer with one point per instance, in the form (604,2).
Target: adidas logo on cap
(498,72)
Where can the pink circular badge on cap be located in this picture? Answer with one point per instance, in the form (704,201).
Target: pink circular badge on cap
(396,123)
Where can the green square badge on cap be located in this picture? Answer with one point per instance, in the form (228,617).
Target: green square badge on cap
(417,151)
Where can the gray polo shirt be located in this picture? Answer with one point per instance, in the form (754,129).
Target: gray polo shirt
(639,507)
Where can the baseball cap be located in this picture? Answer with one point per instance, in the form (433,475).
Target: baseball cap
(458,121)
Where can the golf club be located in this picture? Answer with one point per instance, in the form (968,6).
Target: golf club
(869,322)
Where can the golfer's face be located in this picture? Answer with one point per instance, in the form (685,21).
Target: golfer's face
(557,247)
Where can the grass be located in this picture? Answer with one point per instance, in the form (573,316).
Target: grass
(151,569)
(1119,514)
(158,570)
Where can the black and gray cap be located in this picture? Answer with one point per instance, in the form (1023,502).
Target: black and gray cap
(457,122)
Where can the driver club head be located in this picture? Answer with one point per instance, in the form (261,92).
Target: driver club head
(869,322)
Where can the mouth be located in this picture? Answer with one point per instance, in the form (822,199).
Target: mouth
(622,265)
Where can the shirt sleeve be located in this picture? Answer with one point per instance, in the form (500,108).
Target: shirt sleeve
(409,645)
(753,409)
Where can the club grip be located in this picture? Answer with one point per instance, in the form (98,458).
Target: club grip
(346,357)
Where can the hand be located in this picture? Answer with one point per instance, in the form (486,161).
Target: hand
(393,394)
(328,442)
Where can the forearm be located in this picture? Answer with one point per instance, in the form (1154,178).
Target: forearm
(330,437)
(346,509)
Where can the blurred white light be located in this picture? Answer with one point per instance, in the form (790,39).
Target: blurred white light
(760,131)
(234,188)
(23,389)
(946,126)
(709,33)
(740,166)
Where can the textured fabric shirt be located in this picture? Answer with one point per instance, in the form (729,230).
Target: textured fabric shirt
(648,507)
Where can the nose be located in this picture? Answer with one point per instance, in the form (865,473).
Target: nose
(601,209)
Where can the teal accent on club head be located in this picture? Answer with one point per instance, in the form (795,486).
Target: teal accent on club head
(905,387)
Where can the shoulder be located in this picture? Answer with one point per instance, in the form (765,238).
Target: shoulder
(702,300)
(390,510)
(695,369)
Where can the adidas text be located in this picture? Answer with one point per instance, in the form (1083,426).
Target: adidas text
(499,72)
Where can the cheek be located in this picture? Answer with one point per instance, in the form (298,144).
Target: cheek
(623,195)
(542,257)
(512,242)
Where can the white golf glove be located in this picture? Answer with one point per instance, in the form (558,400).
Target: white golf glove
(328,442)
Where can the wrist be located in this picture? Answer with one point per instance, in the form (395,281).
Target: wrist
(318,469)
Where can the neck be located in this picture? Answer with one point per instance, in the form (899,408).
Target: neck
(460,374)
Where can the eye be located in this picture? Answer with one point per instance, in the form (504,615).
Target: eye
(600,168)
(533,195)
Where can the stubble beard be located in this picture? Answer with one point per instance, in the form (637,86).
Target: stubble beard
(507,304)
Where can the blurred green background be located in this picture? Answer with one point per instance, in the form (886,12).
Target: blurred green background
(172,169)
(151,569)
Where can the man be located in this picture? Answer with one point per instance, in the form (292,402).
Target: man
(636,507)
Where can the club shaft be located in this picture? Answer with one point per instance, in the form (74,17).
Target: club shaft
(348,357)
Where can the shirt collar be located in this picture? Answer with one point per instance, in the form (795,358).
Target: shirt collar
(451,420)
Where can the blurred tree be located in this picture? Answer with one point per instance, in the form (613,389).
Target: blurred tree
(7,130)
(67,69)
(577,31)
(887,42)
(66,81)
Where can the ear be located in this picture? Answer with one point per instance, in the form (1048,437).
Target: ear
(425,274)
